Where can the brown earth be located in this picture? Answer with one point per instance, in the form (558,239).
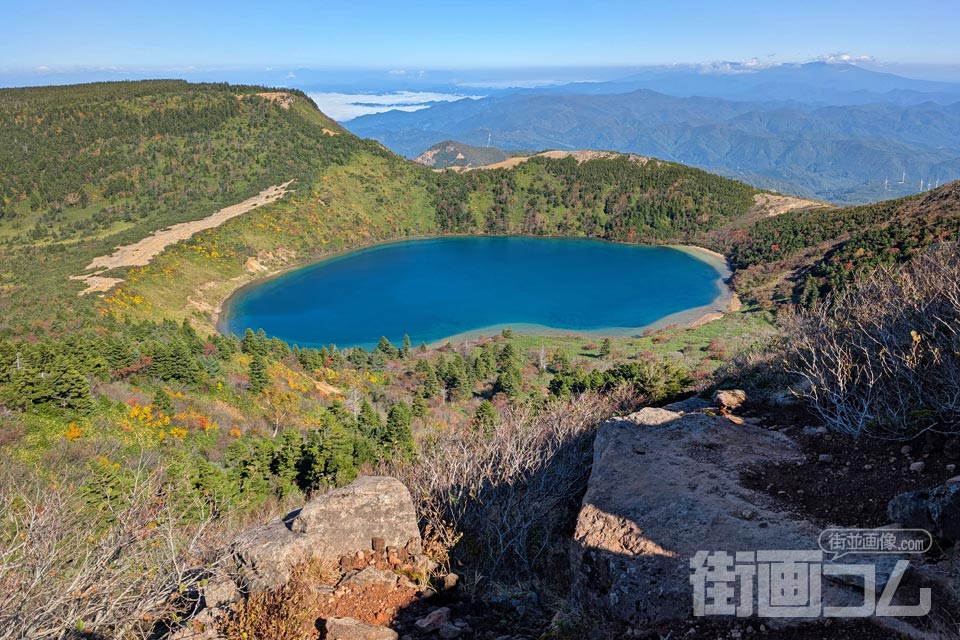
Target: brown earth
(142,252)
(854,489)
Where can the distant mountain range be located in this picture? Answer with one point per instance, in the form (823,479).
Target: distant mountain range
(830,131)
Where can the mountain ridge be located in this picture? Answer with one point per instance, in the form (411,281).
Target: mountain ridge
(842,154)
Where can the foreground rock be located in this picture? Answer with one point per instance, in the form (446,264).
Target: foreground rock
(937,510)
(328,528)
(664,486)
(351,629)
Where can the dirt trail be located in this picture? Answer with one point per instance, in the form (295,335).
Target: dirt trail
(142,252)
(771,204)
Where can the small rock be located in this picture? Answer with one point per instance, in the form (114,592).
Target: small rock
(406,583)
(371,576)
(378,544)
(433,620)
(868,467)
(414,547)
(906,450)
(352,629)
(951,468)
(219,594)
(729,398)
(825,458)
(450,581)
(918,467)
(449,631)
(937,510)
(746,514)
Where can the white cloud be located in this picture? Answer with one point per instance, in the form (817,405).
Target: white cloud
(512,84)
(847,58)
(347,106)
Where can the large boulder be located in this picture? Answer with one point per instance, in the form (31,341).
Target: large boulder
(328,527)
(937,510)
(665,485)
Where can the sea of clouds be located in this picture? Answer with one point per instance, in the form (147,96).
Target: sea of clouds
(343,107)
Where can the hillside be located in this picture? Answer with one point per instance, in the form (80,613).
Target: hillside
(90,167)
(451,153)
(840,154)
(802,256)
(128,422)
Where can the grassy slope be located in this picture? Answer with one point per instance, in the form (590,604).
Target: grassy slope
(90,167)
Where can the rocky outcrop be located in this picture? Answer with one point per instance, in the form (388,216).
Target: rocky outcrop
(328,528)
(352,629)
(665,485)
(937,510)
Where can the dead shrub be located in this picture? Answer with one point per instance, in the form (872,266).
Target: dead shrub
(882,358)
(501,503)
(283,614)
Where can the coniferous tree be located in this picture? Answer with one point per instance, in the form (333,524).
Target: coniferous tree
(259,377)
(485,417)
(397,436)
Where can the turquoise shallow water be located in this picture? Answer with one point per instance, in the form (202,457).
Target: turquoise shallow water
(434,289)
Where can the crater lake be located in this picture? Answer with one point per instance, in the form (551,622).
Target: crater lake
(452,287)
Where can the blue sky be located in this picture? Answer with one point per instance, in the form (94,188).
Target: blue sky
(414,34)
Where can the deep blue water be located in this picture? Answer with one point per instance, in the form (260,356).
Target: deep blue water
(434,289)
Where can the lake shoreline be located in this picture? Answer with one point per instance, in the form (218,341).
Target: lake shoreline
(725,302)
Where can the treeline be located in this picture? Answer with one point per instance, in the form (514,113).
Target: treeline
(846,243)
(621,198)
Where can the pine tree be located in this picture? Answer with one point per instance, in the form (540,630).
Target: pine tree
(162,401)
(368,419)
(397,436)
(286,460)
(606,346)
(406,347)
(485,417)
(509,382)
(259,378)
(420,406)
(386,347)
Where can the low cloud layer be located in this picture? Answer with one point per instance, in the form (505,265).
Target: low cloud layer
(347,106)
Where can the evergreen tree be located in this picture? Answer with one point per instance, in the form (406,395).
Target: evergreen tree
(162,401)
(386,347)
(485,417)
(405,353)
(368,419)
(420,406)
(509,382)
(286,461)
(430,385)
(606,346)
(397,436)
(259,378)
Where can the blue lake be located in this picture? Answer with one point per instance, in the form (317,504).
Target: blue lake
(435,289)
